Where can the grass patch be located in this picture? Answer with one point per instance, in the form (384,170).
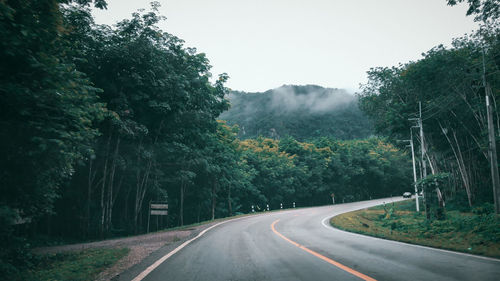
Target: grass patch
(469,232)
(75,266)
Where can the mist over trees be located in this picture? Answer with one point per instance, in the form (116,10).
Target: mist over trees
(303,112)
(98,121)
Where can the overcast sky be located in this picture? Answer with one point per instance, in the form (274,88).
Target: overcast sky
(263,44)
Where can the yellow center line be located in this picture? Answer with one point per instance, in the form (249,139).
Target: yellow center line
(318,255)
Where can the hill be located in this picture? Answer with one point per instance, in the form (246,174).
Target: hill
(300,111)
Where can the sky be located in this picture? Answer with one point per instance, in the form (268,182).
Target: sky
(263,44)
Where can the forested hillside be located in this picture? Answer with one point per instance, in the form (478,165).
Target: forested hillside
(303,112)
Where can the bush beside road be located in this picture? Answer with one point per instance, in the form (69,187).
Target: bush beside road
(76,266)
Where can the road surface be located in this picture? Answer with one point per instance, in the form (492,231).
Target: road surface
(299,244)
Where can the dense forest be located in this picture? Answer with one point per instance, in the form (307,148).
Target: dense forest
(303,112)
(97,121)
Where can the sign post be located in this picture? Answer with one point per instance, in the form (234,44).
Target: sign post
(157,209)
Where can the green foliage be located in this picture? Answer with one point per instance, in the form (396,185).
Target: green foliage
(15,251)
(483,209)
(162,111)
(47,114)
(84,265)
(304,112)
(483,226)
(308,173)
(433,187)
(449,84)
(461,231)
(47,107)
(483,10)
(431,182)
(98,121)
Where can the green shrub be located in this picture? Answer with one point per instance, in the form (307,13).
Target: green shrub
(14,253)
(483,209)
(75,266)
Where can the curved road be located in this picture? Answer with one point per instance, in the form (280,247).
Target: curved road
(300,245)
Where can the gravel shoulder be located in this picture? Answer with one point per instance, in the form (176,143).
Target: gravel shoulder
(142,248)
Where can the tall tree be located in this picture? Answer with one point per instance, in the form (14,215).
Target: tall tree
(448,83)
(47,110)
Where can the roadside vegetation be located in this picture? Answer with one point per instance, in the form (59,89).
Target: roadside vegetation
(98,121)
(444,92)
(475,232)
(76,266)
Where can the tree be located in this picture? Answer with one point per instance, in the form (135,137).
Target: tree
(484,10)
(47,111)
(448,83)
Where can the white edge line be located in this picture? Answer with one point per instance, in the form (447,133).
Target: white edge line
(152,267)
(403,243)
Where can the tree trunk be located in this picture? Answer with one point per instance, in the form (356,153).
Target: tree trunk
(432,163)
(109,199)
(141,192)
(460,163)
(90,181)
(103,187)
(198,213)
(214,197)
(181,212)
(142,180)
(126,209)
(465,172)
(229,200)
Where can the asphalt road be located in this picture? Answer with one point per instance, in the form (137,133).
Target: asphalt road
(303,246)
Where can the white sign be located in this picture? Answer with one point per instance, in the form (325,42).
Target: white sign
(159,209)
(159,206)
(159,212)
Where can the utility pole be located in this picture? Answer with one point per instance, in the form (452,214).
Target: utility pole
(492,151)
(422,145)
(414,170)
(422,150)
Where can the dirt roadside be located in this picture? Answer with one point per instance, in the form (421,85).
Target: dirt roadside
(140,247)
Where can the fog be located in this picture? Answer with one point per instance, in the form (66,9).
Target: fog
(289,98)
(310,98)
